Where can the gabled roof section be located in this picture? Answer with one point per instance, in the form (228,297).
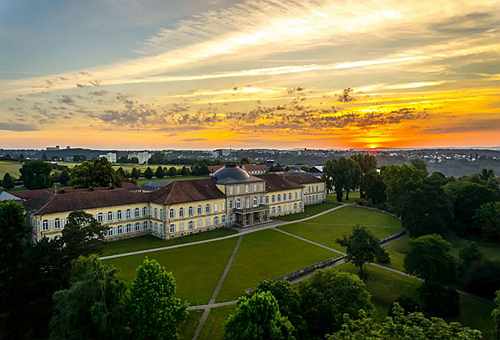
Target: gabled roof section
(187,191)
(302,178)
(277,183)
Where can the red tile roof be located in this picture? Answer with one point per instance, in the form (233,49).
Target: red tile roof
(276,183)
(187,191)
(302,178)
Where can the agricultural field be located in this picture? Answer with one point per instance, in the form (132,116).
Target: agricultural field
(9,167)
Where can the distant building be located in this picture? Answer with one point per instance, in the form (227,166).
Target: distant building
(154,185)
(110,156)
(143,157)
(52,148)
(252,169)
(317,169)
(4,196)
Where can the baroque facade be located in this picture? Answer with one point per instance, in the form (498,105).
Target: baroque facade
(231,197)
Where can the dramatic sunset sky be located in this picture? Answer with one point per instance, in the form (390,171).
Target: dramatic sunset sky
(206,74)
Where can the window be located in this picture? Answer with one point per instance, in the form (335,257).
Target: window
(110,216)
(137,226)
(161,214)
(181,212)
(238,204)
(199,210)
(223,219)
(172,228)
(111,231)
(145,211)
(247,202)
(279,209)
(200,223)
(289,196)
(156,212)
(230,204)
(238,189)
(207,208)
(208,221)
(255,187)
(284,197)
(128,213)
(273,211)
(119,214)
(295,206)
(145,225)
(216,220)
(181,227)
(161,228)
(279,197)
(120,229)
(57,223)
(300,205)
(45,225)
(99,217)
(190,225)
(296,195)
(216,207)
(317,188)
(129,228)
(156,227)
(136,212)
(190,211)
(273,199)
(255,201)
(172,213)
(231,190)
(223,205)
(247,188)
(267,199)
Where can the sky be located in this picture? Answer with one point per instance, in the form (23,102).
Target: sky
(206,74)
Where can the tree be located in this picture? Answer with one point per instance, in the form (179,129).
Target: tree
(352,177)
(362,247)
(96,173)
(367,163)
(483,278)
(159,173)
(336,173)
(204,171)
(153,310)
(496,316)
(439,300)
(79,158)
(486,174)
(328,295)
(172,172)
(184,171)
(403,326)
(258,317)
(289,301)
(121,173)
(93,307)
(468,254)
(245,160)
(406,303)
(135,173)
(400,182)
(426,210)
(374,187)
(429,257)
(419,163)
(64,177)
(7,182)
(83,235)
(148,174)
(36,174)
(487,219)
(157,158)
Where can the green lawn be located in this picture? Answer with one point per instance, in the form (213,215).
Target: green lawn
(177,178)
(268,254)
(196,268)
(214,326)
(150,242)
(353,196)
(396,252)
(9,167)
(189,326)
(309,210)
(386,286)
(325,229)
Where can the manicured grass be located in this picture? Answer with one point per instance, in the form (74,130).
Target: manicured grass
(490,250)
(268,254)
(353,196)
(189,326)
(10,167)
(176,178)
(150,242)
(309,210)
(396,252)
(385,286)
(214,326)
(325,229)
(196,268)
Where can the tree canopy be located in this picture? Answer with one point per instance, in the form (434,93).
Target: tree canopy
(487,219)
(8,182)
(96,173)
(36,174)
(400,182)
(496,316)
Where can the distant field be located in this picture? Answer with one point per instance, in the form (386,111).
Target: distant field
(10,167)
(177,178)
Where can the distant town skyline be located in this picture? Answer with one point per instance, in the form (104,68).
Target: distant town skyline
(194,74)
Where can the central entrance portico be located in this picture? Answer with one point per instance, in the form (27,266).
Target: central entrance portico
(248,216)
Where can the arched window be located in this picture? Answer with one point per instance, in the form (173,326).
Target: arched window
(144,211)
(190,225)
(230,204)
(119,214)
(172,228)
(99,217)
(191,211)
(156,212)
(223,219)
(145,225)
(128,213)
(216,220)
(57,223)
(295,206)
(273,199)
(129,228)
(120,229)
(296,196)
(273,210)
(200,223)
(208,221)
(200,210)
(111,231)
(238,204)
(137,226)
(284,197)
(290,196)
(207,208)
(181,212)
(267,199)
(172,213)
(161,228)
(261,199)
(161,214)
(255,201)
(156,227)
(279,209)
(45,225)
(216,206)
(279,197)
(110,216)
(136,212)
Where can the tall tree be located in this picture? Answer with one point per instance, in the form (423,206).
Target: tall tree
(400,182)
(184,171)
(148,174)
(154,311)
(429,257)
(352,177)
(367,163)
(362,247)
(172,172)
(487,219)
(93,307)
(7,182)
(159,173)
(258,317)
(336,173)
(64,177)
(496,316)
(121,173)
(419,163)
(97,173)
(328,295)
(83,235)
(135,173)
(36,174)
(486,174)
(374,187)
